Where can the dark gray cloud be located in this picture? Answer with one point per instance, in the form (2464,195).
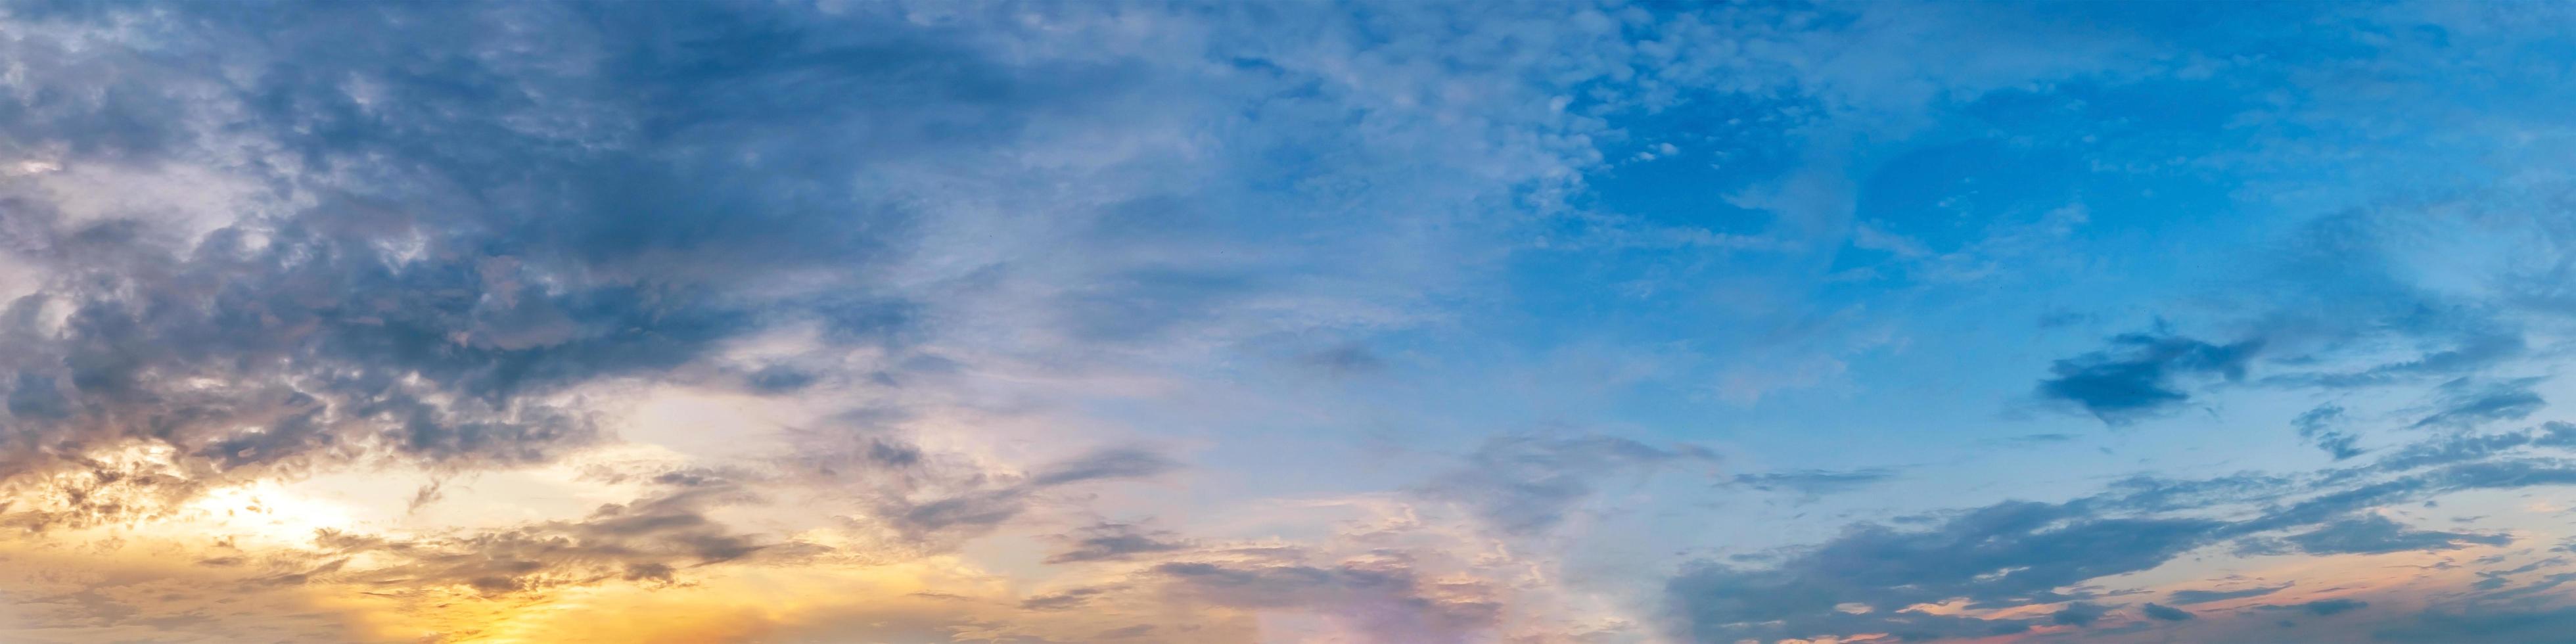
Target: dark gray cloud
(2142,374)
(1524,483)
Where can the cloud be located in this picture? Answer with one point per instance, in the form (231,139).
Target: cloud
(2317,426)
(428,267)
(1125,632)
(1345,360)
(2494,579)
(2468,403)
(2165,613)
(1522,484)
(2023,553)
(2030,439)
(1063,600)
(779,379)
(1382,599)
(2341,310)
(2461,448)
(987,503)
(646,540)
(1105,464)
(2325,606)
(63,600)
(2140,375)
(1813,482)
(2374,534)
(2000,555)
(2189,597)
(2544,584)
(1114,542)
(2481,626)
(2078,614)
(436,259)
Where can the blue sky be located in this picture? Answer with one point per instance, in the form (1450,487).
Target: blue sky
(1285,322)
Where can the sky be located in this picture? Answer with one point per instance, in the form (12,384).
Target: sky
(1286,322)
